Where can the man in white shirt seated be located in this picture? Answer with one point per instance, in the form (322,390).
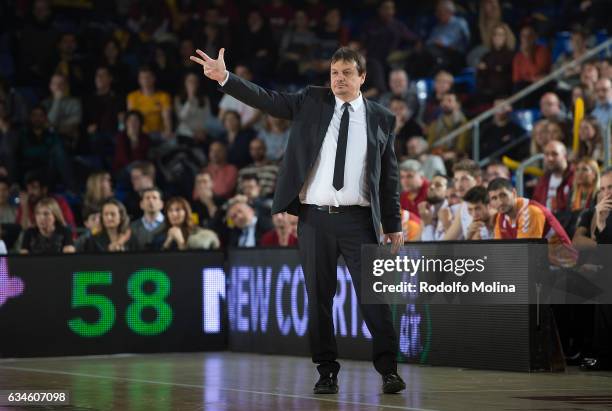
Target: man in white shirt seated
(429,210)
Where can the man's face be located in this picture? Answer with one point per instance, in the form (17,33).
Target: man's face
(478,211)
(414,147)
(203,182)
(497,171)
(603,89)
(589,74)
(35,191)
(400,109)
(398,82)
(241,214)
(463,181)
(549,105)
(555,159)
(146,79)
(502,200)
(437,190)
(443,13)
(68,44)
(250,188)
(410,180)
(257,150)
(57,84)
(386,11)
(449,103)
(527,37)
(443,83)
(501,114)
(216,153)
(103,79)
(345,80)
(606,185)
(151,202)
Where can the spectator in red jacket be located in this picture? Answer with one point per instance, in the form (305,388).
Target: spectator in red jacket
(413,184)
(281,235)
(132,144)
(554,187)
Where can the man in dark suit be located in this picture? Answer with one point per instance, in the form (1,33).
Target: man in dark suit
(248,226)
(341,204)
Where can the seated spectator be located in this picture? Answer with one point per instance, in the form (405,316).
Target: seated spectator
(590,139)
(477,202)
(249,116)
(553,188)
(443,84)
(496,169)
(500,132)
(598,226)
(92,224)
(238,139)
(385,33)
(132,144)
(250,187)
(588,98)
(431,164)
(154,105)
(413,186)
(192,109)
(275,133)
(551,109)
(450,118)
(494,75)
(103,110)
(15,106)
(448,41)
(531,62)
(111,58)
(330,37)
(296,49)
(399,87)
(247,228)
(114,234)
(37,188)
(585,185)
(489,17)
(205,205)
(98,189)
(432,225)
(142,177)
(589,76)
(543,132)
(578,47)
(375,83)
(258,46)
(466,175)
(49,234)
(151,224)
(8,212)
(179,227)
(265,170)
(64,112)
(603,106)
(519,217)
(405,124)
(68,63)
(224,175)
(280,235)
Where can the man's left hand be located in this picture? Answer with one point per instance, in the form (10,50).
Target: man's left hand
(396,240)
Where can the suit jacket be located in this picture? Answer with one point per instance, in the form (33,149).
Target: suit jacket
(234,234)
(311,111)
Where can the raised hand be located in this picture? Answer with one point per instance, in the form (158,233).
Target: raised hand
(213,69)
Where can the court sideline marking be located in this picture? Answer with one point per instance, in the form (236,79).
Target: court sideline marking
(306,397)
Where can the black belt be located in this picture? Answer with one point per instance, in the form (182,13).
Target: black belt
(337,209)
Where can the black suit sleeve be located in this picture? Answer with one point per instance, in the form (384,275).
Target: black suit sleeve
(277,104)
(389,186)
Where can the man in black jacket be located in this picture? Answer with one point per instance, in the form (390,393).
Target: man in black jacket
(341,204)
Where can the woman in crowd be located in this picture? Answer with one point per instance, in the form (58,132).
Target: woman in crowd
(181,233)
(275,134)
(192,110)
(115,234)
(494,76)
(99,187)
(50,235)
(281,235)
(590,139)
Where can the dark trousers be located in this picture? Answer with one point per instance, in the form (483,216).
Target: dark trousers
(322,238)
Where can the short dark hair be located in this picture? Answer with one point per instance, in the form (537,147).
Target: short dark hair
(148,190)
(251,176)
(146,68)
(476,195)
(499,183)
(36,176)
(469,166)
(136,113)
(350,55)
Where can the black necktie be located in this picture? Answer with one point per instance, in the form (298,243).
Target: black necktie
(341,148)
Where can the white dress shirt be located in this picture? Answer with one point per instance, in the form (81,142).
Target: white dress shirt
(318,188)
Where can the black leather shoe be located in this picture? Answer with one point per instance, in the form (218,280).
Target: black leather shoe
(327,384)
(392,383)
(594,364)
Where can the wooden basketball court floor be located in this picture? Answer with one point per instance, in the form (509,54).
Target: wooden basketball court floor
(253,382)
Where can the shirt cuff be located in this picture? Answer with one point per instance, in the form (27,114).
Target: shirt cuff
(222,83)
